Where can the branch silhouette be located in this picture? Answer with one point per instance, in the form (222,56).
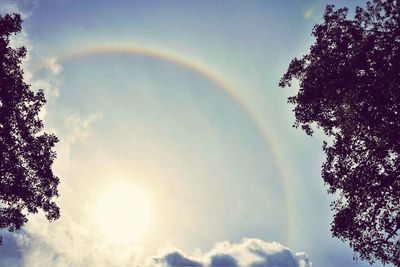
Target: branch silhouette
(350,88)
(27,183)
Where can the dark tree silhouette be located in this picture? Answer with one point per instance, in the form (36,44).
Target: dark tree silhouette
(350,87)
(27,182)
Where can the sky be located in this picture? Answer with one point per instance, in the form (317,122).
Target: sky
(176,143)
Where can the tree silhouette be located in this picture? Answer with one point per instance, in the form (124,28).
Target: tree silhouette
(27,182)
(350,87)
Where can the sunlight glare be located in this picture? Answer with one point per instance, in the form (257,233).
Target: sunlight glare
(123,213)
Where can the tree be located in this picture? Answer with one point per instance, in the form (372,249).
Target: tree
(349,86)
(27,183)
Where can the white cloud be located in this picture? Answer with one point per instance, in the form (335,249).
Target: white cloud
(46,76)
(248,252)
(49,86)
(309,13)
(52,65)
(76,128)
(79,126)
(68,243)
(10,7)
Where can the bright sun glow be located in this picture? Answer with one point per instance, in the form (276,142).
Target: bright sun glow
(123,213)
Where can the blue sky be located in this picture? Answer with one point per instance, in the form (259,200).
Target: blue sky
(179,99)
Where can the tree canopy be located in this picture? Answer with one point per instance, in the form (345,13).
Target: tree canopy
(27,183)
(350,88)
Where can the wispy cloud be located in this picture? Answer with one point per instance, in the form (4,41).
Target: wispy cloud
(309,13)
(46,77)
(69,243)
(76,128)
(12,7)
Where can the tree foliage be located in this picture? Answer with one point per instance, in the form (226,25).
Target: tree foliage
(27,183)
(350,87)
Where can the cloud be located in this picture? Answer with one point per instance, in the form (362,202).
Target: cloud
(47,76)
(223,260)
(68,243)
(177,259)
(309,13)
(248,252)
(9,8)
(52,65)
(76,128)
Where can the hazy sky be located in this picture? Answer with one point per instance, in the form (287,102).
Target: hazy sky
(177,145)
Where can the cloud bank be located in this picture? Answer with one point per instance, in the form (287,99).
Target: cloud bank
(248,252)
(76,246)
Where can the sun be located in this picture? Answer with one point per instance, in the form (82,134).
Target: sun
(123,213)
